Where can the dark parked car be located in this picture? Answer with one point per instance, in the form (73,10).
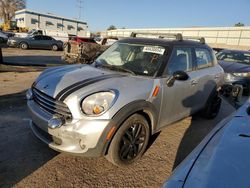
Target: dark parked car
(236,65)
(221,159)
(38,41)
(3,37)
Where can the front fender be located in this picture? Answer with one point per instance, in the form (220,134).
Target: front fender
(140,106)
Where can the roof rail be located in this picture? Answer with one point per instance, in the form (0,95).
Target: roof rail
(177,36)
(200,39)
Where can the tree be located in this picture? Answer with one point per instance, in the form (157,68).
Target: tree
(239,24)
(112,27)
(9,7)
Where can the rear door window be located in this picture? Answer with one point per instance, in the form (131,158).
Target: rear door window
(47,38)
(203,58)
(38,37)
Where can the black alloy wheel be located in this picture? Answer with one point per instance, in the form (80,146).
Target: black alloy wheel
(130,141)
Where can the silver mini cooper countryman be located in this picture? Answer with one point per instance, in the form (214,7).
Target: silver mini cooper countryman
(136,87)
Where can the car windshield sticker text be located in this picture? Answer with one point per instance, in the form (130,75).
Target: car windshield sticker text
(154,49)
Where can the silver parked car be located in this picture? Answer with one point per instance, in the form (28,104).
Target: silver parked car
(136,87)
(221,159)
(37,42)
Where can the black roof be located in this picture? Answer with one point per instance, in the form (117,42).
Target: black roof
(162,42)
(239,51)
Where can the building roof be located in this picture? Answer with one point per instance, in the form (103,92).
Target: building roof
(27,11)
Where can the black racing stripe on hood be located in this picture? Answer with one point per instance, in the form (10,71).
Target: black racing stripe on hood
(74,87)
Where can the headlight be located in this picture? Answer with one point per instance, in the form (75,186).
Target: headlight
(98,103)
(245,74)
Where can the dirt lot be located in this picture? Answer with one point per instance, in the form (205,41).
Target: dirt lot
(26,162)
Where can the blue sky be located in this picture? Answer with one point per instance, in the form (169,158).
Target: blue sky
(99,14)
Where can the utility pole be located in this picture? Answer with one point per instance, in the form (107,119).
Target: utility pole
(80,7)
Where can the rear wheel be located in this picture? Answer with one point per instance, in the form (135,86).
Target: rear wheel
(212,107)
(54,47)
(130,141)
(246,91)
(24,45)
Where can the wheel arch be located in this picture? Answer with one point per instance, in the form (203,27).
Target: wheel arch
(21,42)
(141,107)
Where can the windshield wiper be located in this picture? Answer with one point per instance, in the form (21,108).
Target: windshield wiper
(113,67)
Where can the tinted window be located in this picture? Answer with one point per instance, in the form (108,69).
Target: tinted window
(234,56)
(34,21)
(46,38)
(181,60)
(38,37)
(203,58)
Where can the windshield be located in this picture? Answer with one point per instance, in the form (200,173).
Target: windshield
(134,58)
(234,56)
(31,31)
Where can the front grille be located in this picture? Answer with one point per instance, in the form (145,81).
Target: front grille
(50,105)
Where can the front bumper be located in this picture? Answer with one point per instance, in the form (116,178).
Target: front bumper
(244,81)
(3,40)
(78,137)
(12,43)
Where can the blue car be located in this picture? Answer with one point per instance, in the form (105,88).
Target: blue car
(222,159)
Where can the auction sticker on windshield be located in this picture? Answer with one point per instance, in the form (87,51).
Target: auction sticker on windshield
(154,49)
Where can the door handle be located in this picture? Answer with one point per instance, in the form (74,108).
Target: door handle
(194,82)
(216,77)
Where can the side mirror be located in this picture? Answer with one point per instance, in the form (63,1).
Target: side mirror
(178,75)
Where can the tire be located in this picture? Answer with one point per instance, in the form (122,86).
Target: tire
(54,47)
(246,91)
(129,142)
(212,107)
(24,46)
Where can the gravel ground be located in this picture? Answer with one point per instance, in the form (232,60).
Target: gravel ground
(26,162)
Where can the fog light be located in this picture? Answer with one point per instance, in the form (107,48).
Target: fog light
(29,95)
(56,122)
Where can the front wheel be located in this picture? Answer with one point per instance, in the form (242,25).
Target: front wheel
(130,141)
(54,47)
(24,46)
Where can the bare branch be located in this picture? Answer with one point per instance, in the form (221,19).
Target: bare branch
(9,7)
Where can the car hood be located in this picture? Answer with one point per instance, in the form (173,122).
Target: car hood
(57,82)
(16,38)
(234,67)
(221,159)
(224,162)
(3,35)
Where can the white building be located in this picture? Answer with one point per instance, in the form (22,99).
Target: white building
(222,37)
(34,20)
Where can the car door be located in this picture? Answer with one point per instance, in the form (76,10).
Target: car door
(47,42)
(34,42)
(206,76)
(177,100)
